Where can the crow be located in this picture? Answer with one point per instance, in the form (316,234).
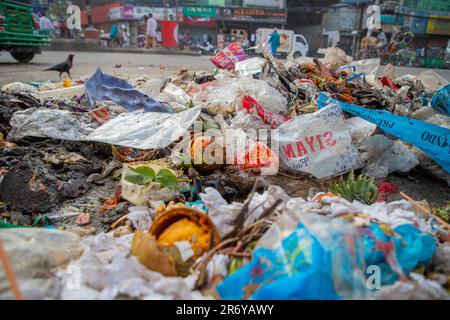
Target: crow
(63,66)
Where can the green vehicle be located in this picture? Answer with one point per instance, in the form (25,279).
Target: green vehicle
(19,31)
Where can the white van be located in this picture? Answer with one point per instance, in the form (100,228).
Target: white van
(288,42)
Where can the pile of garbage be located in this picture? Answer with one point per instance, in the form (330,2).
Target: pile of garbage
(262,179)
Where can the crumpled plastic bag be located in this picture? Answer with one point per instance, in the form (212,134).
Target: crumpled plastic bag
(369,67)
(250,67)
(105,87)
(177,94)
(223,214)
(216,97)
(269,98)
(294,266)
(442,258)
(18,87)
(399,253)
(398,158)
(309,256)
(360,128)
(318,143)
(418,288)
(34,254)
(441,100)
(150,86)
(334,57)
(227,58)
(51,123)
(431,80)
(141,217)
(145,130)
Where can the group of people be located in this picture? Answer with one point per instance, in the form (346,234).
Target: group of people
(120,36)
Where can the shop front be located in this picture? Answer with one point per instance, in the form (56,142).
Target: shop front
(240,24)
(199,24)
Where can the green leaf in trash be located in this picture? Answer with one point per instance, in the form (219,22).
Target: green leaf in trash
(135,178)
(140,175)
(209,125)
(147,172)
(166,178)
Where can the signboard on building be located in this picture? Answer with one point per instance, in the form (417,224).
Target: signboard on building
(113,14)
(128,12)
(281,4)
(254,15)
(438,25)
(200,12)
(199,21)
(158,13)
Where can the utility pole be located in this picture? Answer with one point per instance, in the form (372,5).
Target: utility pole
(358,33)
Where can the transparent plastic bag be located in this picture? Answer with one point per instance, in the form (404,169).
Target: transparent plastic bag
(50,123)
(35,253)
(398,158)
(145,130)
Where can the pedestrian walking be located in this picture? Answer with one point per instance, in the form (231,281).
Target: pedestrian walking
(114,36)
(274,41)
(152,25)
(46,26)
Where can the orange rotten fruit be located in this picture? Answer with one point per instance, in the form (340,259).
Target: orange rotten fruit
(204,154)
(185,224)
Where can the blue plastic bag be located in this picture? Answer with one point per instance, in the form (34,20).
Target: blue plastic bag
(410,245)
(298,269)
(431,139)
(441,100)
(302,268)
(102,86)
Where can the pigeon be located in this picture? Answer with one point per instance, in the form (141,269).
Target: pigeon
(63,66)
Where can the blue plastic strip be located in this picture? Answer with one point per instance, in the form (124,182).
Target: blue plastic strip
(431,139)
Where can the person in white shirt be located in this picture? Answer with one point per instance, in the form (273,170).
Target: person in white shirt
(151,31)
(45,25)
(125,36)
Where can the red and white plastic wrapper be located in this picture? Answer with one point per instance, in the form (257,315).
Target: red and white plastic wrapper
(259,156)
(226,58)
(248,153)
(318,143)
(268,117)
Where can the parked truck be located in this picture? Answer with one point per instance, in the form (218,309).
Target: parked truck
(19,31)
(289,42)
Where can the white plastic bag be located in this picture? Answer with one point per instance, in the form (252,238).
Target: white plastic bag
(318,143)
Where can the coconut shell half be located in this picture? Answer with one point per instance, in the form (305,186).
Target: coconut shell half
(185,224)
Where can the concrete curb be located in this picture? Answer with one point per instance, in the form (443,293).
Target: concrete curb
(93,46)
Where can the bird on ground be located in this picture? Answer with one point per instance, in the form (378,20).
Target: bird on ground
(63,66)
